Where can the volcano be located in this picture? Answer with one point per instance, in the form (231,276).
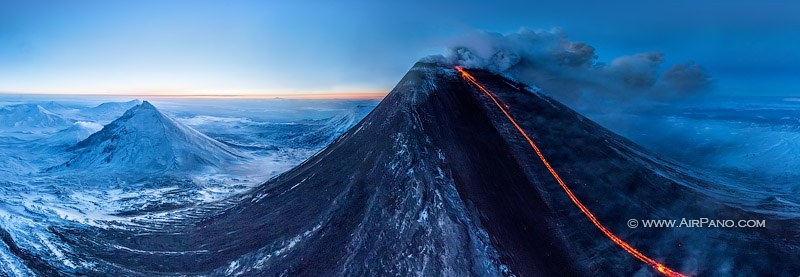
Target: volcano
(146,140)
(437,180)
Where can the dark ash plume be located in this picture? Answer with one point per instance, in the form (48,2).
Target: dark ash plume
(570,70)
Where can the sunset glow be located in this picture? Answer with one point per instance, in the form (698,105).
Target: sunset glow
(172,95)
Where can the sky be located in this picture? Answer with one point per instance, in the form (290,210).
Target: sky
(305,47)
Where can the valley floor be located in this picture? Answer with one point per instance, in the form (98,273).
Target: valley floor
(35,193)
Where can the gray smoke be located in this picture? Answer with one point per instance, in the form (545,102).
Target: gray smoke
(570,70)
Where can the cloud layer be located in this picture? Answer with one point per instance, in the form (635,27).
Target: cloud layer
(570,70)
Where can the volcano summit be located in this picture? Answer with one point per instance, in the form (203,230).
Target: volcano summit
(146,140)
(438,181)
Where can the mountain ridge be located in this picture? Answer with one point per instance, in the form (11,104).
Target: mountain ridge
(30,116)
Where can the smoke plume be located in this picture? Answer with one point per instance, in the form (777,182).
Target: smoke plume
(570,70)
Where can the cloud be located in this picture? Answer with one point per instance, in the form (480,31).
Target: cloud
(207,119)
(571,71)
(687,78)
(637,71)
(90,126)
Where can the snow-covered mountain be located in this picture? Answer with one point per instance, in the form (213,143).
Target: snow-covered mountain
(57,108)
(70,136)
(330,129)
(146,140)
(108,111)
(30,116)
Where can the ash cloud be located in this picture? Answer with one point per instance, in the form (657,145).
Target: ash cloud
(570,70)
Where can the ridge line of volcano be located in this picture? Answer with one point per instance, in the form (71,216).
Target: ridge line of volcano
(624,245)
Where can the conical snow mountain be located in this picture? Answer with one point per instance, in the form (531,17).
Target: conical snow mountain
(145,139)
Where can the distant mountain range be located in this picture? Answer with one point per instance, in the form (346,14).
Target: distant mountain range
(108,111)
(23,116)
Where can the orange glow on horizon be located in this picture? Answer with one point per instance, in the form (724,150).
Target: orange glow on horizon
(170,95)
(353,95)
(624,245)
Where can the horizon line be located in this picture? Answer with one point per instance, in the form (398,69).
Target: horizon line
(309,95)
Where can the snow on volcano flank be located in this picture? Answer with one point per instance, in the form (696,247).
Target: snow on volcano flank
(145,139)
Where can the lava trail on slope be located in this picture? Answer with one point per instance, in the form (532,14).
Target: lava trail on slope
(437,181)
(624,245)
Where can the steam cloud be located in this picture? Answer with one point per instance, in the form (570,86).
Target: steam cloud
(570,70)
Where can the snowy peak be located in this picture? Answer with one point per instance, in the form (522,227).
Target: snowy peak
(144,111)
(55,107)
(30,116)
(148,140)
(109,107)
(146,104)
(127,105)
(109,111)
(147,107)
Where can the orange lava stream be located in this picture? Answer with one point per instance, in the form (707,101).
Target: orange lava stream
(625,246)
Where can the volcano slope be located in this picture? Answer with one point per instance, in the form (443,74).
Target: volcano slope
(437,181)
(146,140)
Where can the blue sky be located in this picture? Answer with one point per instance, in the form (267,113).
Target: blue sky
(262,47)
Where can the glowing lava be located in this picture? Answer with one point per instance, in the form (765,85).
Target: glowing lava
(625,246)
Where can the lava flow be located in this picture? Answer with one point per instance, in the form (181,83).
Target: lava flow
(625,246)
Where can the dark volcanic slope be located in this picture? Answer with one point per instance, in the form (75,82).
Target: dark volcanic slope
(435,181)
